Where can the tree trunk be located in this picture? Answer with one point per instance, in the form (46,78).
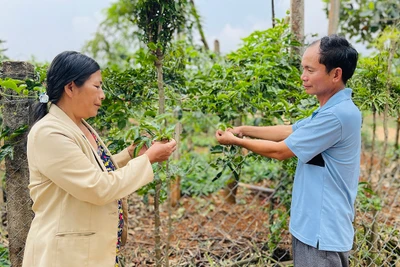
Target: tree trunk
(392,51)
(297,23)
(161,110)
(374,233)
(16,113)
(396,144)
(273,13)
(333,16)
(232,184)
(371,160)
(175,188)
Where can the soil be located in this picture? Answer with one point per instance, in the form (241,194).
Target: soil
(205,230)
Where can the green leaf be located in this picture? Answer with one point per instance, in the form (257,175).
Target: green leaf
(371,5)
(19,131)
(138,148)
(152,46)
(218,175)
(9,84)
(121,124)
(150,113)
(216,149)
(6,150)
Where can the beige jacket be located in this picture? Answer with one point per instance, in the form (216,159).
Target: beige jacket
(74,197)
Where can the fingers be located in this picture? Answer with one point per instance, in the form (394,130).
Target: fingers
(225,137)
(172,144)
(236,131)
(161,151)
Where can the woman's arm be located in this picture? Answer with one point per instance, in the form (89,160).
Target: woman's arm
(57,155)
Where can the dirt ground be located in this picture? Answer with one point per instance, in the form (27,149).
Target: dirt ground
(205,230)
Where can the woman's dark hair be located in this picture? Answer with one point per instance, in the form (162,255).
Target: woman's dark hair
(336,52)
(66,67)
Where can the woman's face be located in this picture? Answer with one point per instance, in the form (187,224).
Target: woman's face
(89,96)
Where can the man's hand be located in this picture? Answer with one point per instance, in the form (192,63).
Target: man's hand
(226,137)
(237,131)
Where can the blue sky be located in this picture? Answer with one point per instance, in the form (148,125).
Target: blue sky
(44,28)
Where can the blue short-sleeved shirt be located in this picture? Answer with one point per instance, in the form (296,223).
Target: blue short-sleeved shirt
(328,146)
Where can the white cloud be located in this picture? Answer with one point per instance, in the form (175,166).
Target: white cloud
(84,25)
(258,24)
(229,38)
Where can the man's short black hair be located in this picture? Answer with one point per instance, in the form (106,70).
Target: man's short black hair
(336,52)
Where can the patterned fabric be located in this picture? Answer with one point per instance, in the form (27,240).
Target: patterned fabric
(106,158)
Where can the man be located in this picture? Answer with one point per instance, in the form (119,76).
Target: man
(327,145)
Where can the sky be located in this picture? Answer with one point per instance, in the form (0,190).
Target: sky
(41,29)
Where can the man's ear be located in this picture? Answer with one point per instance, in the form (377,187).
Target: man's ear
(337,74)
(68,89)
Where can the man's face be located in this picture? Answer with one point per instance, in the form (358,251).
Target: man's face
(316,80)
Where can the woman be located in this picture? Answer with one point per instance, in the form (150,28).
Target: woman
(75,184)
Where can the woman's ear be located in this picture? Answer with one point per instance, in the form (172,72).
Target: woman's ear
(68,89)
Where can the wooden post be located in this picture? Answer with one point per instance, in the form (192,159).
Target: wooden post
(216,47)
(297,22)
(16,113)
(273,13)
(333,16)
(175,188)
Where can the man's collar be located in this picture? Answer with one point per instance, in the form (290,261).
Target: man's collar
(340,96)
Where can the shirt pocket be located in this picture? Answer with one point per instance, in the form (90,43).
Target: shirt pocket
(72,248)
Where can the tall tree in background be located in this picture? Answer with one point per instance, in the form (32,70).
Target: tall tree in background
(363,20)
(117,38)
(334,9)
(297,22)
(148,24)
(158,21)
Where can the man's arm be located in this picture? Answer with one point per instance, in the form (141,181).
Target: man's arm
(266,148)
(273,133)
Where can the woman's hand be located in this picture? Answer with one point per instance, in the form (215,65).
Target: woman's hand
(160,150)
(131,150)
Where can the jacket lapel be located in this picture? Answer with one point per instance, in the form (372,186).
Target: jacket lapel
(60,114)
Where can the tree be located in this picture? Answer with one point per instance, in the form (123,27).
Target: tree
(119,35)
(376,83)
(364,19)
(154,23)
(297,22)
(333,16)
